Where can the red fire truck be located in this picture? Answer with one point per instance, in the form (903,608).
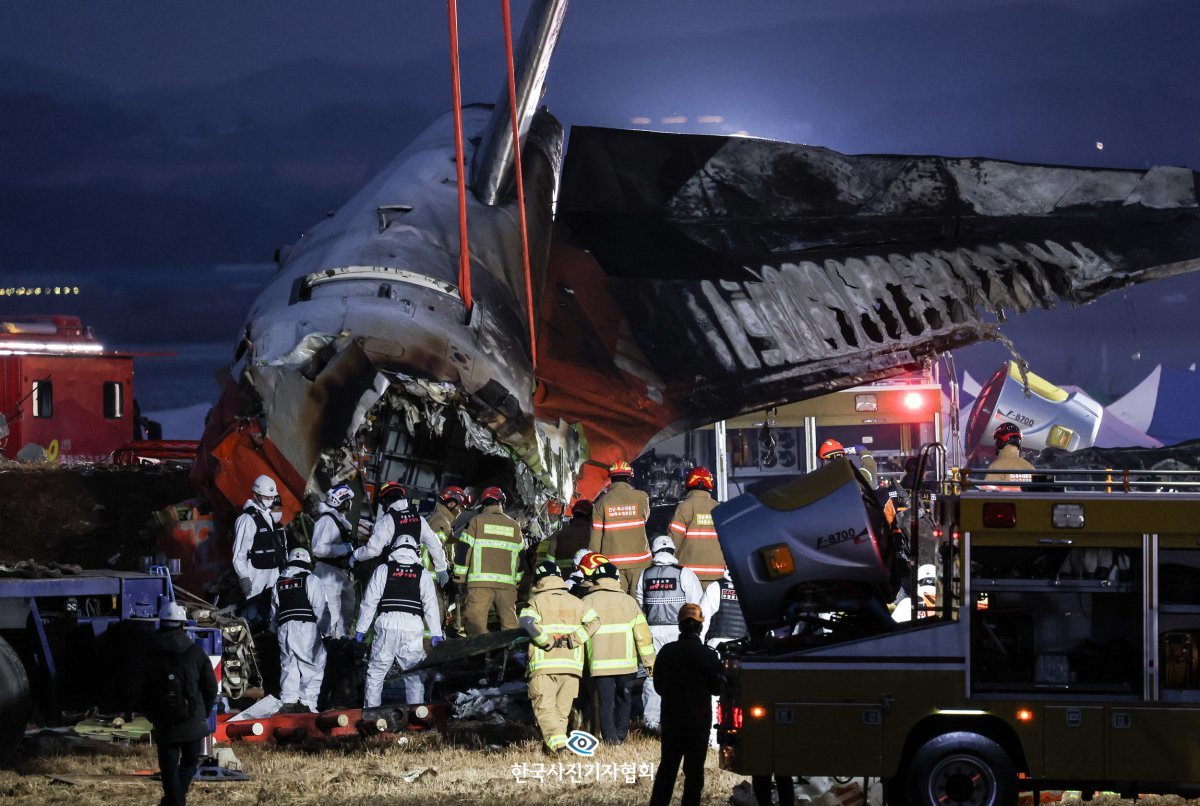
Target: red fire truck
(61,389)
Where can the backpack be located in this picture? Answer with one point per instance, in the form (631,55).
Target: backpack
(174,690)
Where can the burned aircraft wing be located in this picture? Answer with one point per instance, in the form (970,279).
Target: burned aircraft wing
(697,277)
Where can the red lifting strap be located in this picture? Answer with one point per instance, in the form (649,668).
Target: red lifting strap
(464,250)
(516,131)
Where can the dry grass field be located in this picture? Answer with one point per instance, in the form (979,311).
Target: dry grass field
(467,771)
(460,767)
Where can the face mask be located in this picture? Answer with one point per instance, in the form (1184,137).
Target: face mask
(277,516)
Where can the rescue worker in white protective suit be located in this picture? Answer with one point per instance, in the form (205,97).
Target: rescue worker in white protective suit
(661,590)
(332,551)
(300,617)
(403,593)
(723,622)
(399,517)
(259,546)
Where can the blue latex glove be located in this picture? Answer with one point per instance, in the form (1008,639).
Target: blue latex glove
(442,578)
(437,639)
(359,637)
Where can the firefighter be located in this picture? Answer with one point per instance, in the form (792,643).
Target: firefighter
(690,675)
(661,591)
(259,547)
(402,592)
(487,562)
(830,450)
(451,501)
(619,525)
(300,617)
(693,530)
(331,549)
(586,563)
(614,651)
(574,536)
(397,518)
(558,624)
(1008,453)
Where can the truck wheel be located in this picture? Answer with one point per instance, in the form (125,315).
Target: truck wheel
(15,702)
(961,768)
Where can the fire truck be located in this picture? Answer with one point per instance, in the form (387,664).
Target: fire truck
(1063,653)
(61,389)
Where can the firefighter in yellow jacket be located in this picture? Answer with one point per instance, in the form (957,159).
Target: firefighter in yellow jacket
(619,525)
(614,650)
(692,528)
(558,624)
(451,501)
(488,562)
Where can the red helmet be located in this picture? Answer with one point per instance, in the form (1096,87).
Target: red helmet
(830,449)
(582,509)
(699,477)
(591,561)
(1007,434)
(620,468)
(390,491)
(457,493)
(494,494)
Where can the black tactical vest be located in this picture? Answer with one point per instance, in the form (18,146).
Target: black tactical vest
(402,593)
(662,594)
(728,622)
(293,600)
(269,549)
(407,522)
(344,560)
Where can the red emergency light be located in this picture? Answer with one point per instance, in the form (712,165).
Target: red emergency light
(914,401)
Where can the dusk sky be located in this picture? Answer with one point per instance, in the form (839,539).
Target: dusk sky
(156,154)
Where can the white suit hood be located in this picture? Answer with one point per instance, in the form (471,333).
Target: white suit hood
(666,558)
(325,509)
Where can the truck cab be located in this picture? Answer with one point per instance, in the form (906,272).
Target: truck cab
(1063,651)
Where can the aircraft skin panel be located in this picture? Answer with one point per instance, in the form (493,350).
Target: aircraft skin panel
(752,273)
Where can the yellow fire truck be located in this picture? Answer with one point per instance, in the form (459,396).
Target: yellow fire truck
(1081,671)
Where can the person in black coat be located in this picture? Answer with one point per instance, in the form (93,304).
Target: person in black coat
(178,693)
(688,675)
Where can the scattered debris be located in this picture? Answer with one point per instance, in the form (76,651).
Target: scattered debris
(267,706)
(491,705)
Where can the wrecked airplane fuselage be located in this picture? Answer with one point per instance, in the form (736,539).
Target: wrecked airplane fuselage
(676,280)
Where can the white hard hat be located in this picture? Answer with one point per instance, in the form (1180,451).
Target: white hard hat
(172,611)
(404,540)
(339,495)
(299,556)
(579,555)
(925,572)
(663,543)
(265,486)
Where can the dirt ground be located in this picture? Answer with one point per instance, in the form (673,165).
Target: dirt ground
(459,769)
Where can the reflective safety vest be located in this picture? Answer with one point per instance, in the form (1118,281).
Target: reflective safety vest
(557,612)
(623,635)
(492,553)
(619,526)
(662,594)
(728,621)
(696,536)
(269,549)
(402,591)
(293,600)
